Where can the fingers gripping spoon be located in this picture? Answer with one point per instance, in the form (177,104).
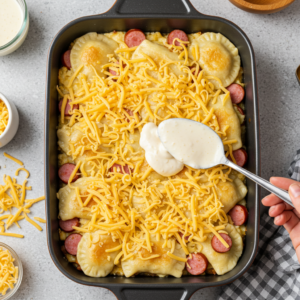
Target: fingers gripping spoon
(198,146)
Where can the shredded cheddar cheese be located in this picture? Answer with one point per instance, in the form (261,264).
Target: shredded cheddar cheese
(22,169)
(40,219)
(130,205)
(8,272)
(4,115)
(13,159)
(176,257)
(13,196)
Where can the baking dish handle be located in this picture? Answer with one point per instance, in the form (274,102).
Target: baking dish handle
(152,7)
(155,293)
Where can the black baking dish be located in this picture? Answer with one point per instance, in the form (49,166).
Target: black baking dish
(149,16)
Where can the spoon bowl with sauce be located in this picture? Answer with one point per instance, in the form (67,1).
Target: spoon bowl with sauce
(198,146)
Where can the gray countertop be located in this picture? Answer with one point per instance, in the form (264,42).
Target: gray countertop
(276,41)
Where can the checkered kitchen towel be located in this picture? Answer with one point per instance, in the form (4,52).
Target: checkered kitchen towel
(294,170)
(275,273)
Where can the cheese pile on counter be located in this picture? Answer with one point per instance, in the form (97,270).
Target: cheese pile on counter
(13,195)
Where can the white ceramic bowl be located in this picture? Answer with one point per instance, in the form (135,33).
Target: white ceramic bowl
(18,264)
(13,122)
(19,39)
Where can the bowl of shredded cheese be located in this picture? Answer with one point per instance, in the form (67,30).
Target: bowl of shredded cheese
(11,272)
(9,120)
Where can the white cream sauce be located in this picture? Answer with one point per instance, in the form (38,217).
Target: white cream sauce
(192,143)
(156,154)
(11,19)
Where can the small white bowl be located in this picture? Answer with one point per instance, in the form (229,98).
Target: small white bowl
(18,264)
(13,122)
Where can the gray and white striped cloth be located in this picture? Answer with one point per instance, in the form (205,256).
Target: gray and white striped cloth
(275,273)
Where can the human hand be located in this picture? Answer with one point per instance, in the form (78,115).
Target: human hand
(283,213)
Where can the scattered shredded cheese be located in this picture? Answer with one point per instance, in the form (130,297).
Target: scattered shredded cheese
(13,159)
(40,219)
(13,196)
(22,169)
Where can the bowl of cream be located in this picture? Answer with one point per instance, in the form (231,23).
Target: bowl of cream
(14,24)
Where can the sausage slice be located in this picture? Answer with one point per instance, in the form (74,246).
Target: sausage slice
(113,72)
(68,107)
(71,243)
(197,264)
(130,113)
(65,59)
(240,157)
(240,110)
(237,93)
(177,34)
(65,172)
(239,215)
(119,169)
(218,246)
(186,237)
(134,37)
(67,225)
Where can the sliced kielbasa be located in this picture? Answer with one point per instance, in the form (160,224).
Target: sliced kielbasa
(193,69)
(240,110)
(240,156)
(186,237)
(197,264)
(63,249)
(179,34)
(237,93)
(130,113)
(65,172)
(239,215)
(119,169)
(66,60)
(68,107)
(71,243)
(115,73)
(134,37)
(218,246)
(67,225)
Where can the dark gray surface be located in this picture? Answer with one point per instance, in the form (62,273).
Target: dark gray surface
(276,42)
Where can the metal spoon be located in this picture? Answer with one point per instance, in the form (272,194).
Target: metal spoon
(298,74)
(222,159)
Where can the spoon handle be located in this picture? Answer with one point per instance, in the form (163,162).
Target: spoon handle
(282,194)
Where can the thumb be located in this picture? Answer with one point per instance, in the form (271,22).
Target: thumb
(294,192)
